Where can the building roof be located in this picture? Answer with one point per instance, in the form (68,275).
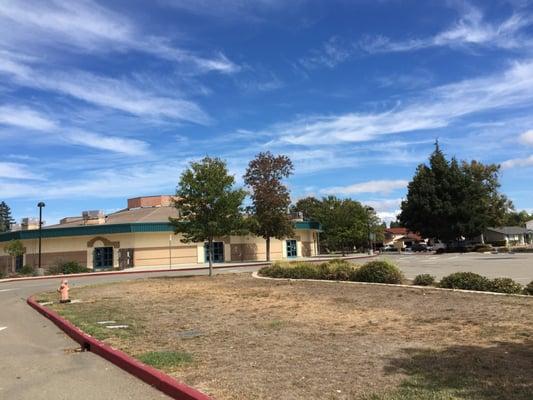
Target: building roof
(403,232)
(510,230)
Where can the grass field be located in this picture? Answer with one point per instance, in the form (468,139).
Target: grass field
(236,337)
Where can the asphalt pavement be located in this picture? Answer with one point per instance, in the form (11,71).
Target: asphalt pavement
(518,266)
(38,361)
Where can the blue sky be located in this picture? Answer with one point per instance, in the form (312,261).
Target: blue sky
(109,100)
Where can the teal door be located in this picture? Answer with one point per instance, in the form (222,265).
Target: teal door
(218,252)
(103,258)
(292,249)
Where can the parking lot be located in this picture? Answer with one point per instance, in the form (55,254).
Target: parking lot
(516,266)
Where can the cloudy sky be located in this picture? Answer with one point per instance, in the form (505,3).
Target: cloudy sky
(100,101)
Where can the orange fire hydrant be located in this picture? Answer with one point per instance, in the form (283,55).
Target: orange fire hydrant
(63,291)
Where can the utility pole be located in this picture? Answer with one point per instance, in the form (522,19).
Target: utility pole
(40,205)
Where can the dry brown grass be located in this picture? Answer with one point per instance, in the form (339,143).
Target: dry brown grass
(261,339)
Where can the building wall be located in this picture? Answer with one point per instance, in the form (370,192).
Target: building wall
(152,249)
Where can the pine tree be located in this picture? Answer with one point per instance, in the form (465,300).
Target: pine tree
(5,217)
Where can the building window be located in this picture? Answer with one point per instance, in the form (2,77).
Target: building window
(103,257)
(292,248)
(218,252)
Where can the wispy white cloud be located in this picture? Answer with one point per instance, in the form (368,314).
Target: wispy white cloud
(24,117)
(527,137)
(89,27)
(470,29)
(518,162)
(139,179)
(12,170)
(434,108)
(377,186)
(101,91)
(332,53)
(115,144)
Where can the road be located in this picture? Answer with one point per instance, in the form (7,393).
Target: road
(517,266)
(38,361)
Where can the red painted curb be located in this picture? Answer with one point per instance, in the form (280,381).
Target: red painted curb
(150,375)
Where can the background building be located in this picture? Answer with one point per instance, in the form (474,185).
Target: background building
(141,236)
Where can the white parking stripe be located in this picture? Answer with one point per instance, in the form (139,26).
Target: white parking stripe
(2,328)
(7,290)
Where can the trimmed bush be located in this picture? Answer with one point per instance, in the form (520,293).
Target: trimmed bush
(424,280)
(466,281)
(337,270)
(499,243)
(482,248)
(378,272)
(27,270)
(503,249)
(529,289)
(505,285)
(67,267)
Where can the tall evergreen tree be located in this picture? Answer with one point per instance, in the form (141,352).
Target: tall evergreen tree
(449,199)
(5,217)
(270,197)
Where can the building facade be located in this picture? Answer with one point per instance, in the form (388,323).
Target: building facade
(141,236)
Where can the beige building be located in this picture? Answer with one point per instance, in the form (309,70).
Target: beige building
(141,236)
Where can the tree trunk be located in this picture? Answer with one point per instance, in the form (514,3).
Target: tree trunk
(211,254)
(268,248)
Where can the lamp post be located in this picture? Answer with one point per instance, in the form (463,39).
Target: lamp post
(40,205)
(370,242)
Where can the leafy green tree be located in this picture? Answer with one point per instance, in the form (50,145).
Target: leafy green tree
(208,204)
(448,199)
(5,217)
(346,223)
(517,218)
(270,197)
(15,249)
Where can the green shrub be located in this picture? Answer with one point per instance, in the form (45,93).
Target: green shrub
(27,270)
(424,280)
(505,285)
(529,289)
(523,250)
(378,272)
(503,249)
(466,281)
(67,267)
(337,270)
(482,248)
(499,243)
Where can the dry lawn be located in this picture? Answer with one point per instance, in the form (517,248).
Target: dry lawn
(260,339)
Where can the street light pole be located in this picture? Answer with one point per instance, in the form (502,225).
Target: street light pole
(40,205)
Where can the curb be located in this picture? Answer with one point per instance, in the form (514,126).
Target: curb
(110,273)
(90,274)
(257,276)
(147,374)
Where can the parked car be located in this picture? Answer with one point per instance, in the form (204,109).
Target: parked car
(389,247)
(418,247)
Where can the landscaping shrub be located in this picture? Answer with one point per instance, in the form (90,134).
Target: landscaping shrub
(499,243)
(337,270)
(440,251)
(505,285)
(503,249)
(378,272)
(424,280)
(67,267)
(27,270)
(529,289)
(523,250)
(465,280)
(482,248)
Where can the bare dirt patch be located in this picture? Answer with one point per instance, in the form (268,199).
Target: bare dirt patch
(262,339)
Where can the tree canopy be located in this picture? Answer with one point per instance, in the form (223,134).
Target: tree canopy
(448,199)
(208,204)
(346,223)
(5,217)
(270,197)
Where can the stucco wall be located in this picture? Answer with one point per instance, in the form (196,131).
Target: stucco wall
(152,248)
